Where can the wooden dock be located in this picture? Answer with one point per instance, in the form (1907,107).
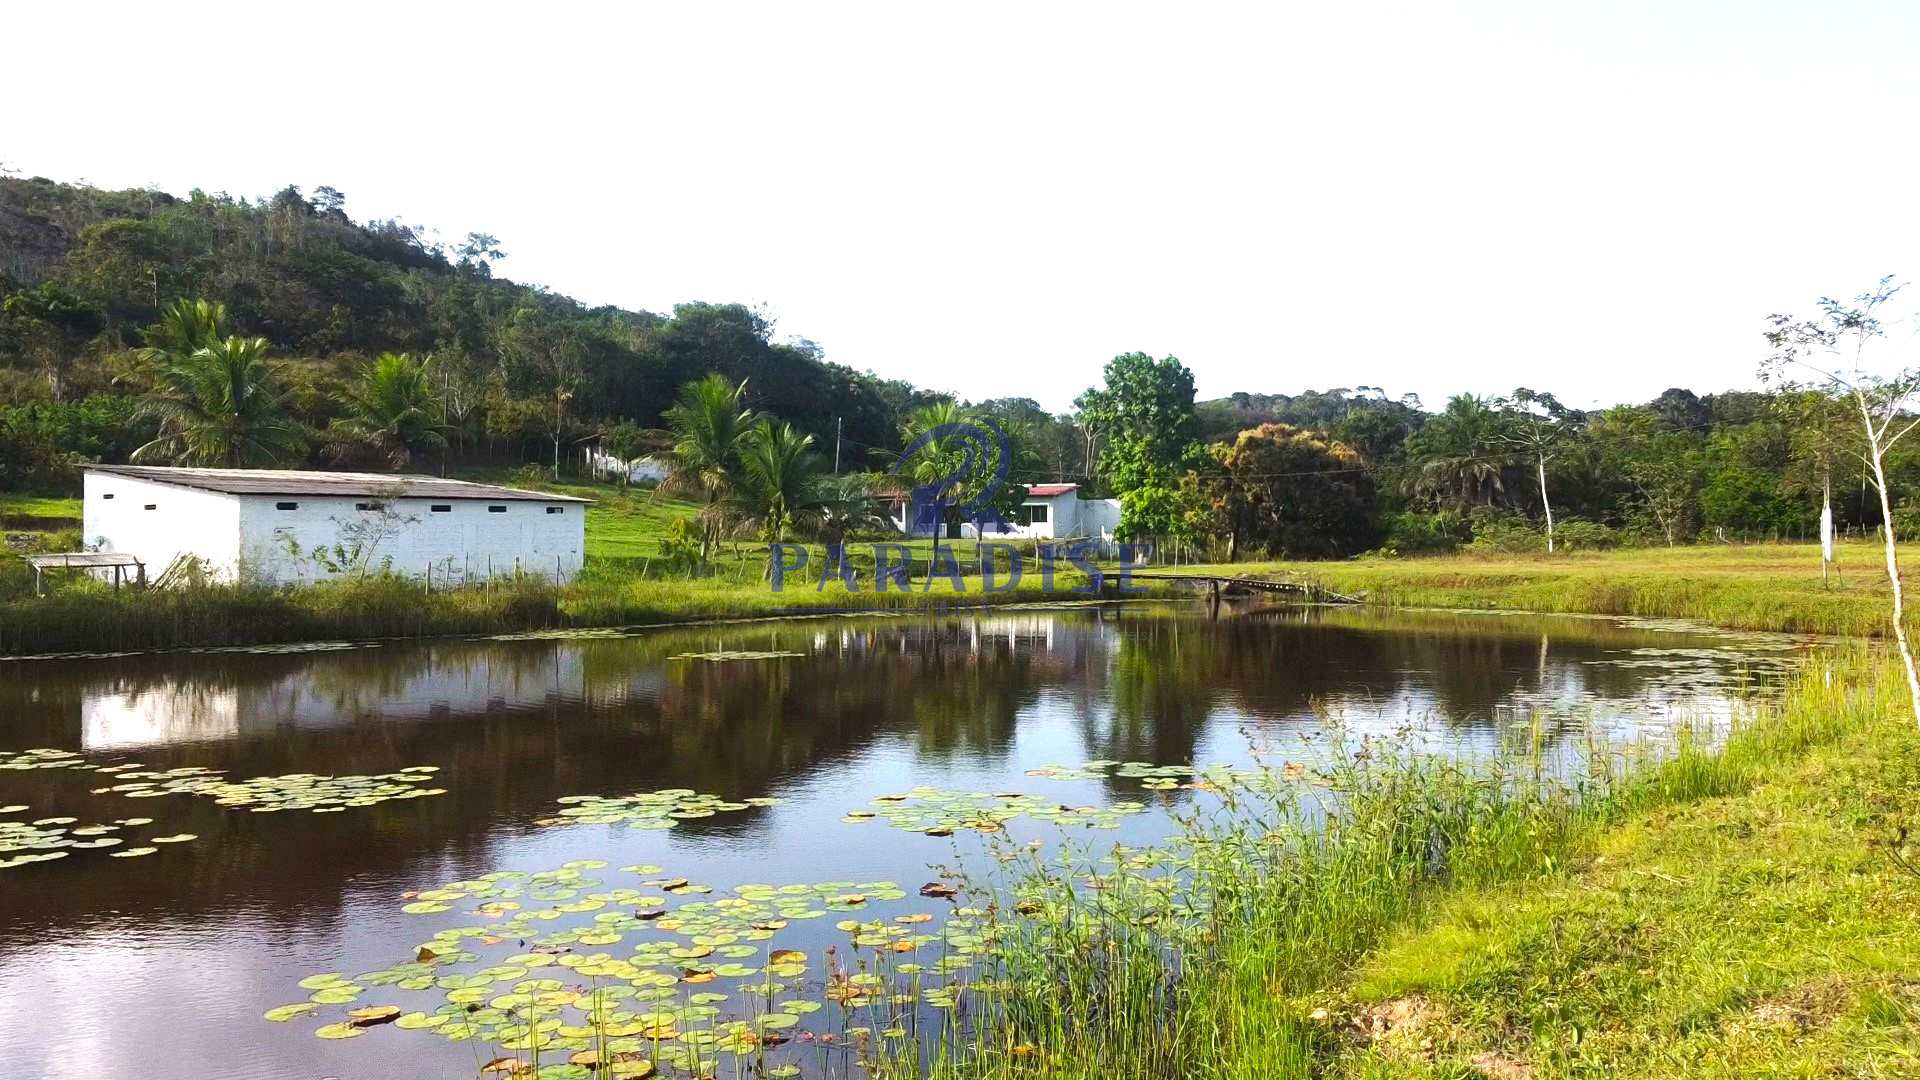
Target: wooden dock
(1218,584)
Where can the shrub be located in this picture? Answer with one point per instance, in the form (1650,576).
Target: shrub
(1415,533)
(533,477)
(1505,536)
(1576,534)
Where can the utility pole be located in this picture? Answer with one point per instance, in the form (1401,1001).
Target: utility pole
(836,446)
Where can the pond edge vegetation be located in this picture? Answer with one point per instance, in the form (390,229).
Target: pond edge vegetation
(1331,950)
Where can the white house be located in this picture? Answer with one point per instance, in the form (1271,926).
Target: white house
(280,526)
(1049,511)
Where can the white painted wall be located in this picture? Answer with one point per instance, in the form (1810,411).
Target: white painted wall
(115,517)
(467,541)
(247,535)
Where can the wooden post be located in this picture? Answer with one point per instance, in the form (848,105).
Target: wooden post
(116,577)
(140,574)
(39,587)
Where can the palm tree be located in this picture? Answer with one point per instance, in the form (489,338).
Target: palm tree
(709,427)
(185,327)
(780,476)
(939,457)
(391,411)
(217,405)
(1459,457)
(846,505)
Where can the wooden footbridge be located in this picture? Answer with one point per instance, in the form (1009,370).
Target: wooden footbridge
(1220,584)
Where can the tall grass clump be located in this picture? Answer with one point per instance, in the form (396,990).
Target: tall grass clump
(1209,954)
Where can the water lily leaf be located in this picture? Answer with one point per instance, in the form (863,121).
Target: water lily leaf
(285,1013)
(373,1015)
(176,838)
(340,1031)
(134,853)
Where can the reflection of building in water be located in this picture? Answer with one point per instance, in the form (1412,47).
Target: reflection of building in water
(171,712)
(117,715)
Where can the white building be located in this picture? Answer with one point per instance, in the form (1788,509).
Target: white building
(1049,512)
(284,526)
(647,469)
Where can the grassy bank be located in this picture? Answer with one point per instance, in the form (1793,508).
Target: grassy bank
(625,582)
(96,619)
(1756,587)
(1749,587)
(1727,910)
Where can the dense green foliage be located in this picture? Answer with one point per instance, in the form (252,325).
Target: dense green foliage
(212,328)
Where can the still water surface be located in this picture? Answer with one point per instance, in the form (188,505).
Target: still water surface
(161,966)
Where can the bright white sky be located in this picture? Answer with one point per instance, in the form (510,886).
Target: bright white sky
(1599,199)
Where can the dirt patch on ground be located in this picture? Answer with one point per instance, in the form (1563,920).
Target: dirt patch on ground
(1397,1028)
(1498,1066)
(1805,1007)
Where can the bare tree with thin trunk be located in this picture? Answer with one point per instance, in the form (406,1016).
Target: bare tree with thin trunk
(1537,426)
(1838,346)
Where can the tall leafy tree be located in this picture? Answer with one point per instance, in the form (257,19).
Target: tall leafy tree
(391,412)
(1144,416)
(1295,493)
(220,405)
(1661,466)
(53,324)
(1537,425)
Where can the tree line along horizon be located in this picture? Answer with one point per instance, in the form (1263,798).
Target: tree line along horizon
(135,325)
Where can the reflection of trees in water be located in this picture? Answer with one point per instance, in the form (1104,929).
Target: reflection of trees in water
(515,725)
(1161,683)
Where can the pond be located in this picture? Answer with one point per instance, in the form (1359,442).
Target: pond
(320,814)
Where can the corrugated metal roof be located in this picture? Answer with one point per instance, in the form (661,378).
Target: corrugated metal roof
(1044,491)
(298,482)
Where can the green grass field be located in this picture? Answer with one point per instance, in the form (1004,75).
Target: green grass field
(1747,587)
(1759,927)
(1725,910)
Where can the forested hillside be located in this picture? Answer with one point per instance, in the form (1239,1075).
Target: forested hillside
(133,319)
(83,272)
